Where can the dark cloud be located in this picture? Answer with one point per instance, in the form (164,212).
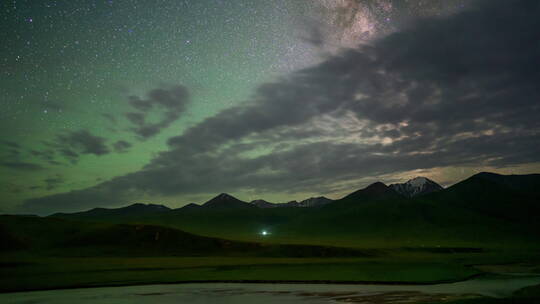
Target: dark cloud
(12,188)
(10,151)
(136,118)
(16,157)
(312,32)
(13,154)
(45,155)
(171,101)
(54,163)
(73,144)
(52,183)
(69,154)
(458,90)
(121,146)
(22,166)
(111,118)
(74,200)
(11,144)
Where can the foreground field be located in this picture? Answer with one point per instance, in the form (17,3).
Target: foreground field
(31,273)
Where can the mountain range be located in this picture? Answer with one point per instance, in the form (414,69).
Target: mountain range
(486,208)
(310,202)
(415,187)
(412,188)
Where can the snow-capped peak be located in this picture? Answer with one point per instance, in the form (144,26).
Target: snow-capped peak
(416,186)
(418,181)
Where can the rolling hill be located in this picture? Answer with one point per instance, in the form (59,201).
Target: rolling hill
(66,238)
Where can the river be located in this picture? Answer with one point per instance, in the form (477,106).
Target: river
(274,293)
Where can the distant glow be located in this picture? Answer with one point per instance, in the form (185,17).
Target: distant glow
(264,232)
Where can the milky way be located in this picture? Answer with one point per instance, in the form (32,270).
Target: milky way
(347,23)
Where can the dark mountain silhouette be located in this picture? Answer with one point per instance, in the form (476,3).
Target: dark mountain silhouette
(131,210)
(510,197)
(310,202)
(226,201)
(190,206)
(483,208)
(291,204)
(315,202)
(529,183)
(375,191)
(263,204)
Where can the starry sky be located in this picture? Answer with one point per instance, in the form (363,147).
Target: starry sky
(106,103)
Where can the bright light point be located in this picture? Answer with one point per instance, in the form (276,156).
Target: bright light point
(264,232)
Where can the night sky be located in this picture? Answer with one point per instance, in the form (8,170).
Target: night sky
(107,103)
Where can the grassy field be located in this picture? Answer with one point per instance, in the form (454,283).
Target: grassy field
(59,257)
(31,273)
(50,273)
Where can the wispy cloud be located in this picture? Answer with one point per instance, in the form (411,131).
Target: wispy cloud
(172,101)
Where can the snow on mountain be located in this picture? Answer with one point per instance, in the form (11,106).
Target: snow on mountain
(310,202)
(416,186)
(314,202)
(263,204)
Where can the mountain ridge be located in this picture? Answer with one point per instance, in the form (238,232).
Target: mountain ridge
(475,209)
(374,191)
(225,200)
(311,202)
(136,208)
(377,191)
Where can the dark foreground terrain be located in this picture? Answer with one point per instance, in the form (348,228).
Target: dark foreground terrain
(487,225)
